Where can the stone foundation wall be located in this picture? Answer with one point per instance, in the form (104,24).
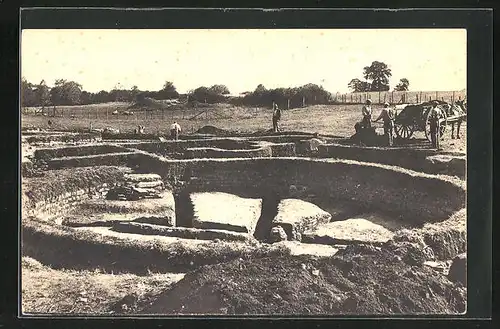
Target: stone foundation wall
(57,205)
(64,138)
(415,196)
(110,159)
(209,152)
(86,150)
(414,159)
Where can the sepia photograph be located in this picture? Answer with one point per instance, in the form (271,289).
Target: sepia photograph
(243,172)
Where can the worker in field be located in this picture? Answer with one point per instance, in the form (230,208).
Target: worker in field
(435,117)
(276,117)
(387,115)
(366,111)
(175,130)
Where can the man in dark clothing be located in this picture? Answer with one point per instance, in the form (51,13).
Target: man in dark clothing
(276,117)
(366,111)
(388,117)
(435,116)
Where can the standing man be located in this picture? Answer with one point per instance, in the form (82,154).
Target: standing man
(175,130)
(276,117)
(367,114)
(435,116)
(387,116)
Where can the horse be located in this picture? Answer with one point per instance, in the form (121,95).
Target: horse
(461,107)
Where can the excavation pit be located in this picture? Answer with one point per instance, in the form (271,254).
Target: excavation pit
(68,222)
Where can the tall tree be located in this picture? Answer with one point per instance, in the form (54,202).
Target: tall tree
(168,91)
(219,89)
(42,94)
(379,74)
(66,92)
(134,92)
(357,85)
(403,85)
(260,89)
(28,97)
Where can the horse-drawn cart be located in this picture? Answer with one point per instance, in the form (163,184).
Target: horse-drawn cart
(415,117)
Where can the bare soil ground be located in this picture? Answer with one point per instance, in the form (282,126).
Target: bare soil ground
(45,290)
(368,283)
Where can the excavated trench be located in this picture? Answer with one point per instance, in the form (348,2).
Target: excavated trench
(339,204)
(350,193)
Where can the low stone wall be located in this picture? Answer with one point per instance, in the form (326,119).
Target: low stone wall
(411,195)
(84,150)
(110,159)
(180,232)
(283,149)
(209,152)
(58,205)
(64,138)
(170,146)
(415,159)
(447,165)
(55,193)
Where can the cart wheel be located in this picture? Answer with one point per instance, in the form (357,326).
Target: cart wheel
(403,131)
(442,126)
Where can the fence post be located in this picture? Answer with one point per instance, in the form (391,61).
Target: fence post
(437,95)
(379,97)
(288,103)
(453,98)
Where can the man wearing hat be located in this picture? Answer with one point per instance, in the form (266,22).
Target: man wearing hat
(388,117)
(367,114)
(435,115)
(276,117)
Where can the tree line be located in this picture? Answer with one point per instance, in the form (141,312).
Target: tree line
(66,92)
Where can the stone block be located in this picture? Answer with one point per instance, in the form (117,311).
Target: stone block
(296,216)
(223,211)
(136,178)
(353,230)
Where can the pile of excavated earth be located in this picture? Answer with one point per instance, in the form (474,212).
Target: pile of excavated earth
(289,223)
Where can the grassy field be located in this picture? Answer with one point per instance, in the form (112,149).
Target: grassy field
(336,120)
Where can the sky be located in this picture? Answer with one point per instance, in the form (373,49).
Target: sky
(431,59)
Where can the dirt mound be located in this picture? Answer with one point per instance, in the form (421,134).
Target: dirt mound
(211,130)
(377,282)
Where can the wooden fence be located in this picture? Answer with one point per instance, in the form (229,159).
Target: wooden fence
(401,97)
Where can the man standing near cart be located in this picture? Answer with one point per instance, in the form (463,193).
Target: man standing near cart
(387,116)
(435,116)
(367,114)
